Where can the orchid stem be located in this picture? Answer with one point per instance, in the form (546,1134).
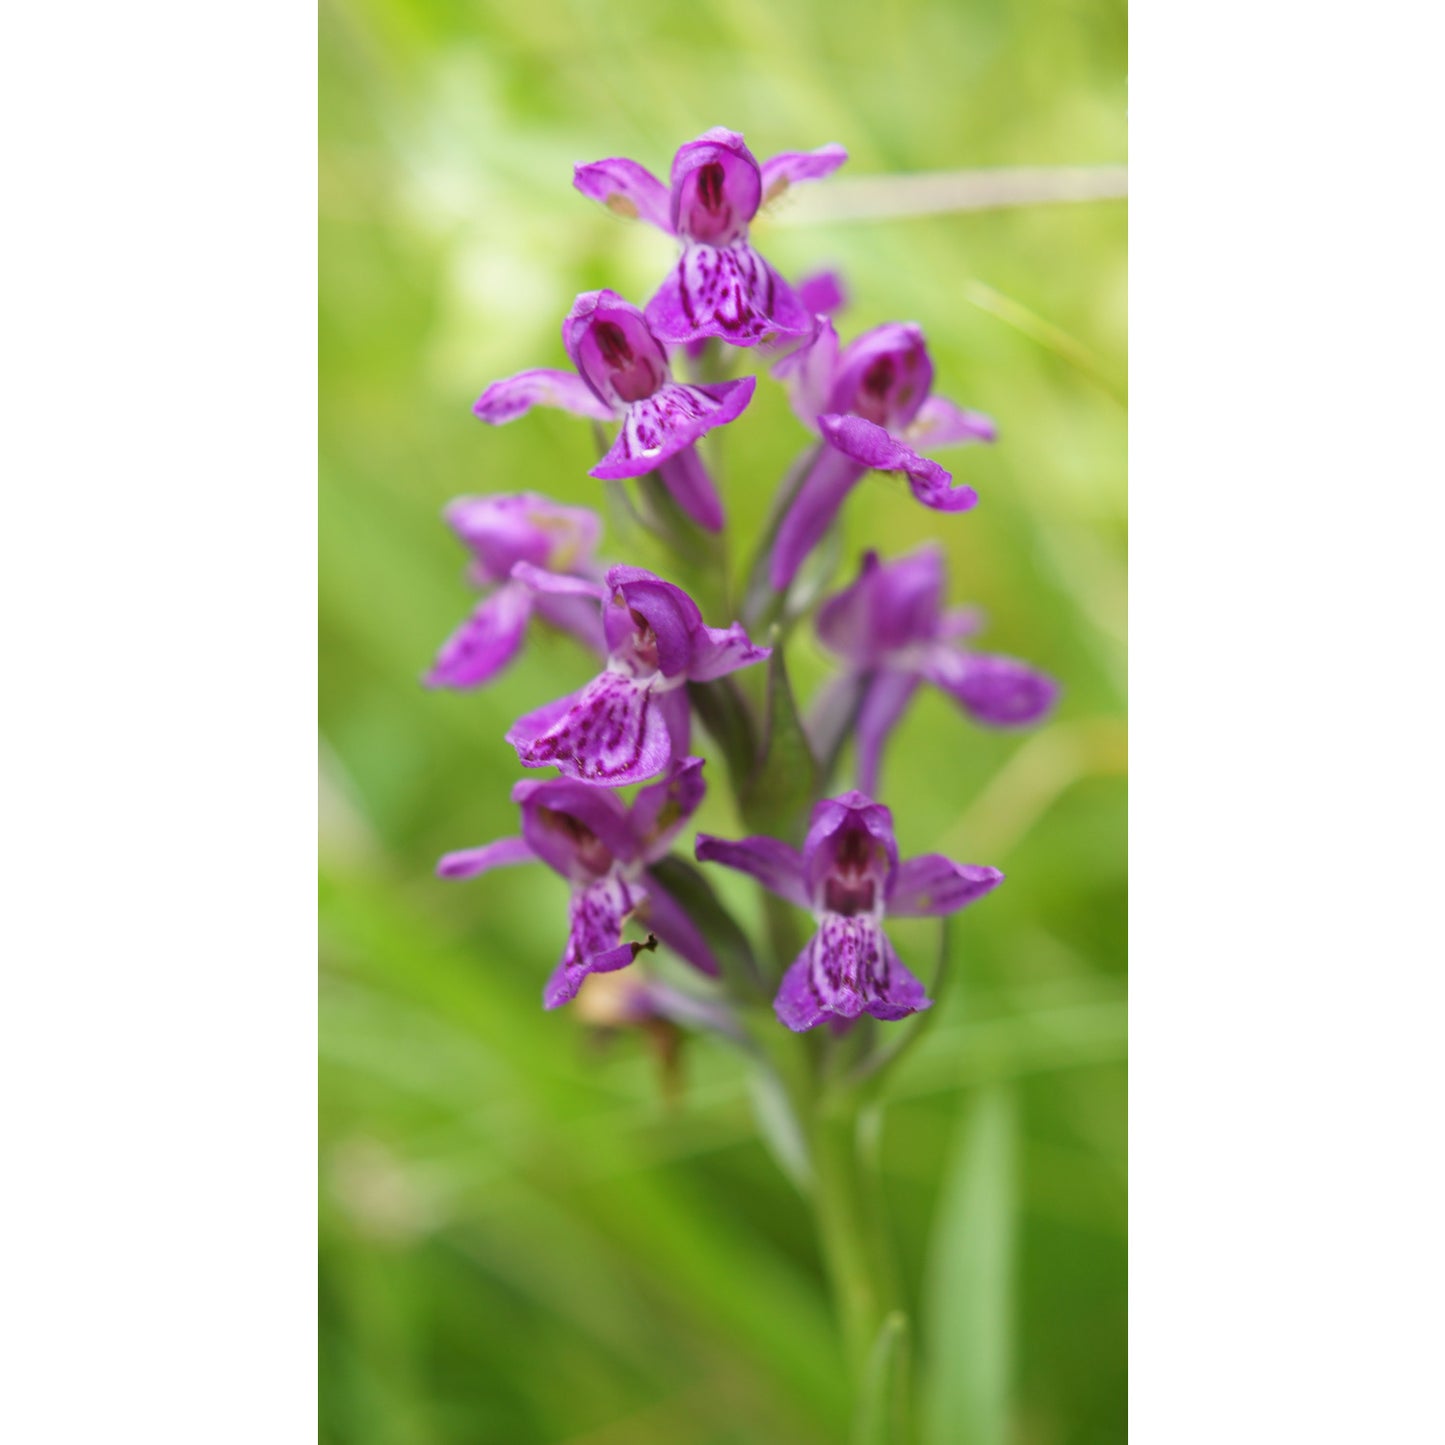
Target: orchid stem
(847,1206)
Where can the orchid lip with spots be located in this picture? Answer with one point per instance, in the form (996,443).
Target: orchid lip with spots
(720,286)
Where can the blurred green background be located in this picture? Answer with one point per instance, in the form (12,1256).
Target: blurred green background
(522,1238)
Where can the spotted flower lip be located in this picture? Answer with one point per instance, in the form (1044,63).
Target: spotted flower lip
(849,874)
(500,532)
(871,402)
(633,719)
(623,375)
(893,631)
(604,850)
(720,286)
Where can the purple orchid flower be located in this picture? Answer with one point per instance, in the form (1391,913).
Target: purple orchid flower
(720,286)
(605,850)
(633,719)
(870,403)
(893,631)
(849,875)
(500,532)
(623,375)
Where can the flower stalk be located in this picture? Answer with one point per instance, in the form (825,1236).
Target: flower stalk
(845,1006)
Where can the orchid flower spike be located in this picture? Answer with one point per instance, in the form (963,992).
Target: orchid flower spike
(623,375)
(849,876)
(499,532)
(720,285)
(893,632)
(870,403)
(605,850)
(633,719)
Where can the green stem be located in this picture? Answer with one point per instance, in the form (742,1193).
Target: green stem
(849,1233)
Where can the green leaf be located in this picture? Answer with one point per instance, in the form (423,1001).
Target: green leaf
(687,884)
(968,1300)
(783,786)
(883,1397)
(778,1125)
(724,712)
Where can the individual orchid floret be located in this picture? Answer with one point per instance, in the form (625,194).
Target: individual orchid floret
(720,286)
(623,375)
(605,850)
(632,720)
(870,402)
(893,631)
(849,876)
(500,532)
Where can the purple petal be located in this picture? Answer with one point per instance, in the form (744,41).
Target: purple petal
(889,607)
(501,531)
(677,719)
(799,1004)
(577,830)
(961,622)
(626,188)
(832,476)
(470,861)
(578,616)
(870,446)
(808,374)
(652,620)
(687,479)
(532,724)
(717,651)
(999,692)
(673,418)
(506,400)
(557,584)
(661,810)
(933,486)
(897,993)
(727,291)
(888,696)
(612,732)
(791,167)
(940,422)
(613,349)
(596,915)
(669,920)
(849,847)
(716,188)
(772,862)
(848,968)
(823,292)
(931,886)
(486,642)
(884,376)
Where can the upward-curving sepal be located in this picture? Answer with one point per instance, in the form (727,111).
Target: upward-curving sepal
(627,189)
(515,396)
